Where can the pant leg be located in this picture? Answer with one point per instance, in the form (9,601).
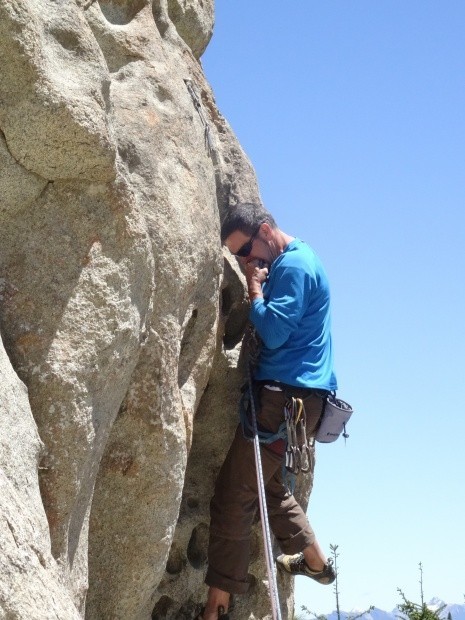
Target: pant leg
(232,510)
(234,503)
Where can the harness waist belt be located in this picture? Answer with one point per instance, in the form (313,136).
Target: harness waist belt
(293,390)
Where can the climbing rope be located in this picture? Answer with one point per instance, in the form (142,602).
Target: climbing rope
(270,565)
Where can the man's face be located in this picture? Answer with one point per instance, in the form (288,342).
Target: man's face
(253,246)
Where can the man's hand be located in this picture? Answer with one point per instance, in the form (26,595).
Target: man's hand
(255,276)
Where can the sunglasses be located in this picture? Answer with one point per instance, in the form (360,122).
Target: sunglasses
(245,249)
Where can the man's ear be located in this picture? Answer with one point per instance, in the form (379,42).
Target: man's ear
(266,230)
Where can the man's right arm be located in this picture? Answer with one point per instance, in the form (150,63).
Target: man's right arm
(278,316)
(255,276)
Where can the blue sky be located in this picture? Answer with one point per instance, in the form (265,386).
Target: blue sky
(353,115)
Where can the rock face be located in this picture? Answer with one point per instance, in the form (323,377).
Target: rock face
(117,308)
(30,580)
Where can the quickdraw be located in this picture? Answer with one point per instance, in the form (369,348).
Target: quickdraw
(198,106)
(298,454)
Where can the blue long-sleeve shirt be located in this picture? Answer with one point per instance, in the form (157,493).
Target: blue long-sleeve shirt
(293,320)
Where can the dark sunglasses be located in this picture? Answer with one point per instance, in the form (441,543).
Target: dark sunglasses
(245,249)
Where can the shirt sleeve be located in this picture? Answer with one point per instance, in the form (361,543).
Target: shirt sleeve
(277,315)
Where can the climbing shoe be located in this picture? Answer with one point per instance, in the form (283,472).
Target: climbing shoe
(296,565)
(221,614)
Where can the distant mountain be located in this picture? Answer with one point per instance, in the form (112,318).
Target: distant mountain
(457,612)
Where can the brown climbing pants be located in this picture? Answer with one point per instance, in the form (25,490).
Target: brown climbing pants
(235,500)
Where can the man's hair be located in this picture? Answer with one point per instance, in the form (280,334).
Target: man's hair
(246,217)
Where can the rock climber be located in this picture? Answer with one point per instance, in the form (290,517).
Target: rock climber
(290,311)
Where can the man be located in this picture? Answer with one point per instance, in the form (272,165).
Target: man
(290,310)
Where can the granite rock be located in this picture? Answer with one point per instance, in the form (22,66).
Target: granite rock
(119,310)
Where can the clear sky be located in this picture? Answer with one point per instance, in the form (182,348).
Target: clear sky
(353,115)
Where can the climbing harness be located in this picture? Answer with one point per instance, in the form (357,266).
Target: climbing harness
(270,565)
(265,437)
(198,106)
